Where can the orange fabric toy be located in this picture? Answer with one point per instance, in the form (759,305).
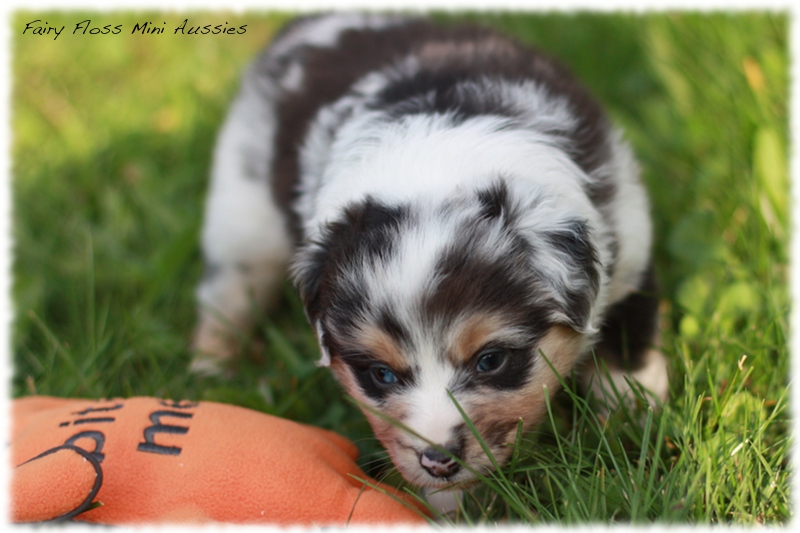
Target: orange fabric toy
(147,460)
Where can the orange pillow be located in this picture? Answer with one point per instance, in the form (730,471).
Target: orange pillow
(145,460)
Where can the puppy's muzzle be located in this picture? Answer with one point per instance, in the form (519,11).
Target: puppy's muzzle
(440,463)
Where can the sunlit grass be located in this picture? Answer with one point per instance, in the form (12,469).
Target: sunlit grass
(112,138)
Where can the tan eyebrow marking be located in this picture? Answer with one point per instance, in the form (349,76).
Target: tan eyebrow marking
(381,345)
(472,334)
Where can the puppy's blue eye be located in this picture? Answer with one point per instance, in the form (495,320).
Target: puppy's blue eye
(383,376)
(490,361)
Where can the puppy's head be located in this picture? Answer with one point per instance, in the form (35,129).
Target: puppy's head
(418,304)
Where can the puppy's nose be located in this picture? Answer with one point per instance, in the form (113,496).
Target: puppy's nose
(438,463)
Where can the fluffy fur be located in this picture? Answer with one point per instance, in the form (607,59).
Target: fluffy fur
(456,211)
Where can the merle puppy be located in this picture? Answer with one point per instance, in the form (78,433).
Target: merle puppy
(458,215)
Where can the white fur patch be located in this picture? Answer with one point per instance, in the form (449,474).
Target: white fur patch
(432,413)
(426,158)
(244,236)
(630,215)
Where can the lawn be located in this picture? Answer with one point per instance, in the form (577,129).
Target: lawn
(112,135)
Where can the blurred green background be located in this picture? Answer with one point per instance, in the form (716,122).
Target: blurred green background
(112,136)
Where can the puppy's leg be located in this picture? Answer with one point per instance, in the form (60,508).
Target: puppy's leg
(628,350)
(245,241)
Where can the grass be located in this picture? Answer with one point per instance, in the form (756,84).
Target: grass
(112,136)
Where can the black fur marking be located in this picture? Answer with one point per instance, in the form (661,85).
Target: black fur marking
(513,374)
(471,283)
(496,203)
(601,192)
(474,283)
(613,250)
(363,236)
(367,386)
(388,323)
(440,92)
(631,326)
(575,243)
(361,367)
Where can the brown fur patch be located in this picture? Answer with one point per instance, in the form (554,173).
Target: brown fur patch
(490,49)
(561,346)
(496,415)
(472,334)
(346,378)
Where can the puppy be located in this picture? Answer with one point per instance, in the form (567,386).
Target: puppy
(459,217)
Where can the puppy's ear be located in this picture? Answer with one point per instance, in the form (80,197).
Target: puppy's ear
(576,279)
(322,342)
(563,257)
(364,234)
(308,275)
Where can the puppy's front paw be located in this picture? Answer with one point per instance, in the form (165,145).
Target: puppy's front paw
(212,349)
(612,386)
